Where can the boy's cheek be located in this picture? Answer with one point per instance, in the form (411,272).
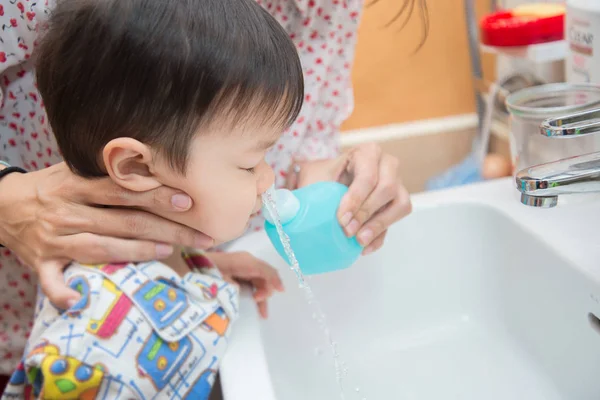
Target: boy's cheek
(224,228)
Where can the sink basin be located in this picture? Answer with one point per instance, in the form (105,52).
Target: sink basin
(462,302)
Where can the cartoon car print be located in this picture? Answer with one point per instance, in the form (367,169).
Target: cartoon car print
(60,377)
(159,360)
(108,269)
(106,325)
(217,322)
(162,302)
(66,378)
(81,285)
(201,389)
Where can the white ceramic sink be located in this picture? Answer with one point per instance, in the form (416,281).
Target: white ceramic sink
(465,301)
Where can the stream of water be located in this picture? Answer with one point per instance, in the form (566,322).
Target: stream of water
(318,314)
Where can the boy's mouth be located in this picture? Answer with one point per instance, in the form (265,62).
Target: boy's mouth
(256,210)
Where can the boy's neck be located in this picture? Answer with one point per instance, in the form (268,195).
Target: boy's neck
(176,262)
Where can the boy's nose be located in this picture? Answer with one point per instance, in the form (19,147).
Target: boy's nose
(267,179)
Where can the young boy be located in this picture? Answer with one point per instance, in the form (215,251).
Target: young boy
(182,93)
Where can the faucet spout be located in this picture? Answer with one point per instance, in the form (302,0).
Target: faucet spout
(539,201)
(541,185)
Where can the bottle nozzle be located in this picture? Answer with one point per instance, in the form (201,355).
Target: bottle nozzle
(287,205)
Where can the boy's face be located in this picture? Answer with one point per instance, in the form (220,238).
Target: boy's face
(225,177)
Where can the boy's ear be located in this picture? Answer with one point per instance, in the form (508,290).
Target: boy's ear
(129,163)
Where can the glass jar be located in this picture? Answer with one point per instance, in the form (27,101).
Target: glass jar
(531,106)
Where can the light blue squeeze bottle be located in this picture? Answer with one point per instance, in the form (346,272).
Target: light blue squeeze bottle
(309,217)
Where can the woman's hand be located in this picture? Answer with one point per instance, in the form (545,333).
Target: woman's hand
(243,267)
(376,198)
(51,217)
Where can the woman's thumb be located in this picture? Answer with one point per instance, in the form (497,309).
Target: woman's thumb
(53,285)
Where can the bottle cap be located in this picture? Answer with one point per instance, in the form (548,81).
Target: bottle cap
(287,205)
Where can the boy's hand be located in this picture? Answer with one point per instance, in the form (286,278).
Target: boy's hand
(243,267)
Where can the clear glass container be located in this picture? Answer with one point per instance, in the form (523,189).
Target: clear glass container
(531,106)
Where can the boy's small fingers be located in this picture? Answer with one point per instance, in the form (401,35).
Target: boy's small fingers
(260,295)
(267,274)
(247,266)
(53,285)
(262,291)
(263,309)
(271,275)
(268,290)
(277,283)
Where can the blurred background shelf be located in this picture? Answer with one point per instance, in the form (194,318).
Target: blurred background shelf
(537,53)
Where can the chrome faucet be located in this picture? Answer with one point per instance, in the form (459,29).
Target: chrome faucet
(541,185)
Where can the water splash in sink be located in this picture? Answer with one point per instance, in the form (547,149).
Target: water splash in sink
(318,314)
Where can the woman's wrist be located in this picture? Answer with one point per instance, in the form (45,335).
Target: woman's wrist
(307,172)
(15,191)
(7,186)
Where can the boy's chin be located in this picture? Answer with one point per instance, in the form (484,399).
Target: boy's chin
(229,236)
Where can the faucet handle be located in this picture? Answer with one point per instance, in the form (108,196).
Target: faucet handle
(583,123)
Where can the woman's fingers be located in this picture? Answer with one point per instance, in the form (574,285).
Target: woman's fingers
(379,223)
(68,204)
(92,249)
(375,244)
(58,220)
(385,192)
(375,199)
(363,173)
(107,193)
(135,224)
(53,285)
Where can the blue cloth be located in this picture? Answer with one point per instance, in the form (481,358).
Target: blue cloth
(468,171)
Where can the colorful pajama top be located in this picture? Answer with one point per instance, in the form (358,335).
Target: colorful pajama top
(140,331)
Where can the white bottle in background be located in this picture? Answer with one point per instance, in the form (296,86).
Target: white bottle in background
(583,35)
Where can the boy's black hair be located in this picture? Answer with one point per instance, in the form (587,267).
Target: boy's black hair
(158,70)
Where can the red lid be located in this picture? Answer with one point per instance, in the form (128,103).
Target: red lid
(504,29)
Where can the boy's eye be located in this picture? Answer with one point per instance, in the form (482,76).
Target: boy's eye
(251,170)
